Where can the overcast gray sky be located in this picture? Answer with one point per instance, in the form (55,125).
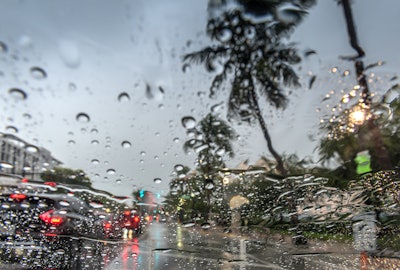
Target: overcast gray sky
(94,51)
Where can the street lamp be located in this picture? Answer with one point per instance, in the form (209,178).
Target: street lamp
(358,115)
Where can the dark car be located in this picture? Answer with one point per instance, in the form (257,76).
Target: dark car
(112,225)
(132,223)
(45,230)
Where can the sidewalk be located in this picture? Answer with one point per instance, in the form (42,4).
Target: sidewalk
(380,260)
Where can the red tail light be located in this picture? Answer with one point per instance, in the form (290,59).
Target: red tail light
(136,219)
(127,213)
(51,219)
(107,225)
(51,184)
(18,196)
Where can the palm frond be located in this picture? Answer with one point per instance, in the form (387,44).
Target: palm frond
(289,76)
(206,54)
(220,78)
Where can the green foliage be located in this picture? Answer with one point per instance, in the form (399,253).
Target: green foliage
(211,140)
(66,176)
(345,139)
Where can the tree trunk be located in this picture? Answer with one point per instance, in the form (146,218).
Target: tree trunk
(279,163)
(379,151)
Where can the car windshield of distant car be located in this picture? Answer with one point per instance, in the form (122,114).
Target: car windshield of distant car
(219,134)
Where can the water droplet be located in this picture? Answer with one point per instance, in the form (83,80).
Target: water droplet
(205,225)
(156,93)
(95,161)
(94,142)
(3,47)
(111,171)
(18,93)
(188,122)
(289,15)
(209,184)
(142,153)
(38,73)
(124,97)
(220,152)
(27,116)
(224,35)
(25,41)
(70,53)
(83,118)
(157,180)
(126,144)
(6,165)
(71,142)
(32,149)
(11,129)
(64,203)
(94,131)
(178,167)
(186,68)
(118,181)
(72,86)
(189,224)
(176,140)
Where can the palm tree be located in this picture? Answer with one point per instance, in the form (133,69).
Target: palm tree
(212,142)
(253,52)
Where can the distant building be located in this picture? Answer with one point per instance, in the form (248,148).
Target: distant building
(22,158)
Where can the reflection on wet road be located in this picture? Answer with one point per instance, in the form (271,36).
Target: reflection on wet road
(165,246)
(170,246)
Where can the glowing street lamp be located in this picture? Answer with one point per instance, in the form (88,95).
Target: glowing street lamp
(357,117)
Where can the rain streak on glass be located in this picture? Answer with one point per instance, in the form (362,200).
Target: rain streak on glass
(18,93)
(126,144)
(38,73)
(124,97)
(83,118)
(188,122)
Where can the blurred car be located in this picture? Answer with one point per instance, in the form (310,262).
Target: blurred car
(112,225)
(132,222)
(45,229)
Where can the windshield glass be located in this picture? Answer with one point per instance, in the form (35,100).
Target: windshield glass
(220,134)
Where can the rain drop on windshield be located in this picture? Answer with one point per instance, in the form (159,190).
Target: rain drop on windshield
(83,118)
